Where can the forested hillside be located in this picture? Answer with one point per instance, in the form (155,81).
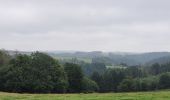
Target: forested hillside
(38,72)
(110,58)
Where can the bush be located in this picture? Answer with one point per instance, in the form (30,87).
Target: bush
(164,80)
(89,85)
(126,85)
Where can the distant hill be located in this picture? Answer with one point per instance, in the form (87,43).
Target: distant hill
(114,58)
(161,60)
(109,58)
(146,57)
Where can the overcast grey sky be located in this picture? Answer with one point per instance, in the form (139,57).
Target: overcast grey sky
(85,25)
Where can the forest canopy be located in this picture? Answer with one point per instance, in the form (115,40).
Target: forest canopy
(40,73)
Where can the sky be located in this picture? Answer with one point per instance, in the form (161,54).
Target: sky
(85,25)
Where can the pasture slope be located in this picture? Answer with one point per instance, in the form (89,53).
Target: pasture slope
(160,95)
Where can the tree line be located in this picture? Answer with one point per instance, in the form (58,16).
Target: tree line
(133,78)
(40,73)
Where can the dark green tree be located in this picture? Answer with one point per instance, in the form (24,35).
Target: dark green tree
(48,75)
(37,73)
(112,78)
(89,85)
(99,80)
(126,85)
(164,81)
(155,69)
(75,77)
(18,73)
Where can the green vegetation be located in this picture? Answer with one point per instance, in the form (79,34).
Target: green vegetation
(41,73)
(75,77)
(68,59)
(162,95)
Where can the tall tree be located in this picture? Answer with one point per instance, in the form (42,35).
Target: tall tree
(75,77)
(99,80)
(112,78)
(36,73)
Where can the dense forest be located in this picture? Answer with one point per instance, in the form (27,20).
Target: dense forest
(40,73)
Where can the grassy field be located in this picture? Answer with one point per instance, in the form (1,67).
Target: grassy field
(161,95)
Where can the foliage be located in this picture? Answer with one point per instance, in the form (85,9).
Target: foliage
(126,85)
(165,80)
(75,77)
(36,73)
(89,68)
(40,73)
(89,85)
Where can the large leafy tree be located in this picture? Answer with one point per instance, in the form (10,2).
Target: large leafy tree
(112,78)
(98,78)
(75,77)
(18,73)
(35,73)
(48,74)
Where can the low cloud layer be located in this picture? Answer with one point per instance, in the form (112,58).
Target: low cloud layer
(85,25)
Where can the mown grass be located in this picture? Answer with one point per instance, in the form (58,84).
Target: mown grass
(161,95)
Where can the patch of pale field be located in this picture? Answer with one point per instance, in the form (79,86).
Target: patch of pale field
(160,95)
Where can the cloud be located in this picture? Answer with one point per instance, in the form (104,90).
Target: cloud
(108,25)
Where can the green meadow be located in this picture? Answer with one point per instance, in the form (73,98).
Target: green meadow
(161,95)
